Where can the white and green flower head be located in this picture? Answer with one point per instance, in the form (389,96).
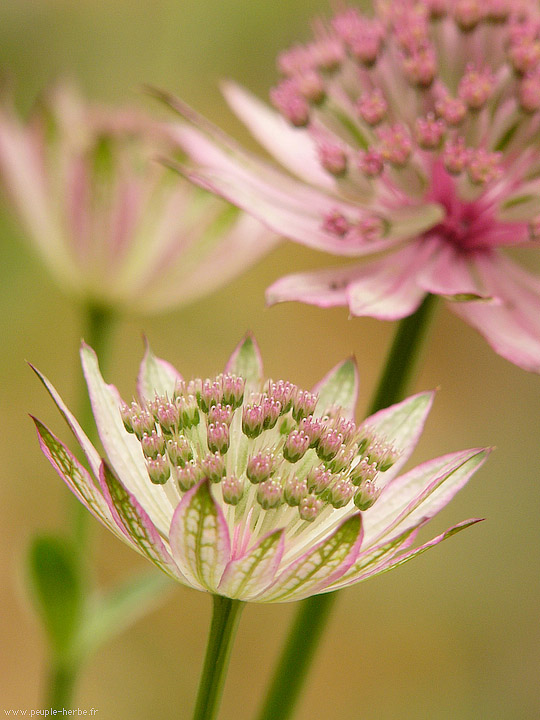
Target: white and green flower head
(252,489)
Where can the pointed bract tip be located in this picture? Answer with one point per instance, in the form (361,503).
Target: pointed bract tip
(246,360)
(157,93)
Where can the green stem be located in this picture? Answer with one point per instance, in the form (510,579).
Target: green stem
(313,613)
(403,357)
(62,674)
(61,685)
(225,618)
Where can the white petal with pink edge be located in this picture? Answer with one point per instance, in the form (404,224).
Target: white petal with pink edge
(199,538)
(253,572)
(419,494)
(321,565)
(123,450)
(338,388)
(156,377)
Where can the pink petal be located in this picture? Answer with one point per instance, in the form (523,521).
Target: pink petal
(320,566)
(288,207)
(388,561)
(156,377)
(75,476)
(91,454)
(324,288)
(371,559)
(246,362)
(511,327)
(123,449)
(405,557)
(388,289)
(292,147)
(339,387)
(238,248)
(449,273)
(26,181)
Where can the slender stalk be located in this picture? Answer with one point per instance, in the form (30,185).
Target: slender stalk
(313,613)
(62,674)
(61,684)
(403,356)
(225,618)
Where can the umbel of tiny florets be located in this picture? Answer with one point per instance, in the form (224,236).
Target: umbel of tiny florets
(263,448)
(253,489)
(453,85)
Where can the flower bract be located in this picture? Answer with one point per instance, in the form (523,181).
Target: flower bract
(257,490)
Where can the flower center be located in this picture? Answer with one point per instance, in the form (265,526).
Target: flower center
(468,226)
(262,451)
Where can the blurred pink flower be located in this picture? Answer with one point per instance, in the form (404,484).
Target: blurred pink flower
(111,223)
(257,490)
(413,131)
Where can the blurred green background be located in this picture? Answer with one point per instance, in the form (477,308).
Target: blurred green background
(456,634)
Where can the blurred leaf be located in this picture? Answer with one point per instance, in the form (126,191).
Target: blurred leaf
(57,590)
(117,610)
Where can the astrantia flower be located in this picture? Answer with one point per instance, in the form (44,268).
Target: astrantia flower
(112,224)
(257,490)
(413,130)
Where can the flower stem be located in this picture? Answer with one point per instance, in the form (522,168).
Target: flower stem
(225,618)
(313,613)
(62,674)
(61,685)
(403,356)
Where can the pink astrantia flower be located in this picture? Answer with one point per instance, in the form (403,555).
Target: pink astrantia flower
(114,226)
(257,490)
(413,131)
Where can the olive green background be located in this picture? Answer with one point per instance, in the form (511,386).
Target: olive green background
(454,635)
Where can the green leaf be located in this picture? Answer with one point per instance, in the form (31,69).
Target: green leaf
(339,387)
(57,590)
(120,608)
(246,362)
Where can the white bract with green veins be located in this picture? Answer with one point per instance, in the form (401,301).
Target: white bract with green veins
(257,490)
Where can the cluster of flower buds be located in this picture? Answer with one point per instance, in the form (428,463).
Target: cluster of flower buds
(291,456)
